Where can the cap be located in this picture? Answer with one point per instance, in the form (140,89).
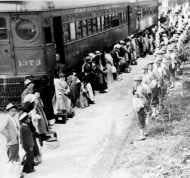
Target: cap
(121,42)
(88,58)
(92,55)
(98,52)
(117,46)
(23,116)
(10,106)
(27,82)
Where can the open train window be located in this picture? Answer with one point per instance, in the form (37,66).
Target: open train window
(102,22)
(94,25)
(78,25)
(66,29)
(98,23)
(72,31)
(107,22)
(84,28)
(115,20)
(120,17)
(90,26)
(3,29)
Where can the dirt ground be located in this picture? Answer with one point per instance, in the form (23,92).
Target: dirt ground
(166,151)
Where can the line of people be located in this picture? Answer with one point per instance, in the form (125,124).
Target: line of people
(42,101)
(160,73)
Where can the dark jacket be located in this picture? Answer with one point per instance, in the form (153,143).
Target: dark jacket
(26,136)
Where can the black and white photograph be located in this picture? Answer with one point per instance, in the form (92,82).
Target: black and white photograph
(95,89)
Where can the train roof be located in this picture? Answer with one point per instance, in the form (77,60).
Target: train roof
(36,5)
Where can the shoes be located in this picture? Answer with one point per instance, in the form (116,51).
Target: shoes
(142,135)
(141,138)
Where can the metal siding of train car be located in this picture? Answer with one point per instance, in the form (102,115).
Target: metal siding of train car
(28,44)
(7,65)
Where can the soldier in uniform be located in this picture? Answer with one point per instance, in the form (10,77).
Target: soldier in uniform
(139,105)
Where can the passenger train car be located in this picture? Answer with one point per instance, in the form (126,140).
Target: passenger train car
(29,39)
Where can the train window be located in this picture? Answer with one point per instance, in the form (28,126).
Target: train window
(3,29)
(2,22)
(94,25)
(72,31)
(66,29)
(102,22)
(115,21)
(107,22)
(84,28)
(120,17)
(99,23)
(26,29)
(90,26)
(3,34)
(79,29)
(123,17)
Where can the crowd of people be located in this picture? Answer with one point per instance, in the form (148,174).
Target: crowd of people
(160,73)
(57,98)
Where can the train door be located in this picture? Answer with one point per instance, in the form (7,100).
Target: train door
(58,37)
(7,63)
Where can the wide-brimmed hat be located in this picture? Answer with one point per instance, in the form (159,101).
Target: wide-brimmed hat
(27,82)
(10,106)
(23,116)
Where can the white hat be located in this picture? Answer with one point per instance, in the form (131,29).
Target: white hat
(23,116)
(98,52)
(117,46)
(121,42)
(27,82)
(10,106)
(92,55)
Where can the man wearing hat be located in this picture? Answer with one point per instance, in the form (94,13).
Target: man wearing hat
(27,141)
(116,57)
(125,54)
(9,128)
(139,105)
(29,88)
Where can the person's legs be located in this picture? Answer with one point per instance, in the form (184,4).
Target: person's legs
(13,153)
(28,163)
(141,120)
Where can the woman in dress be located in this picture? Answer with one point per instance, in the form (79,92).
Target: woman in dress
(61,101)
